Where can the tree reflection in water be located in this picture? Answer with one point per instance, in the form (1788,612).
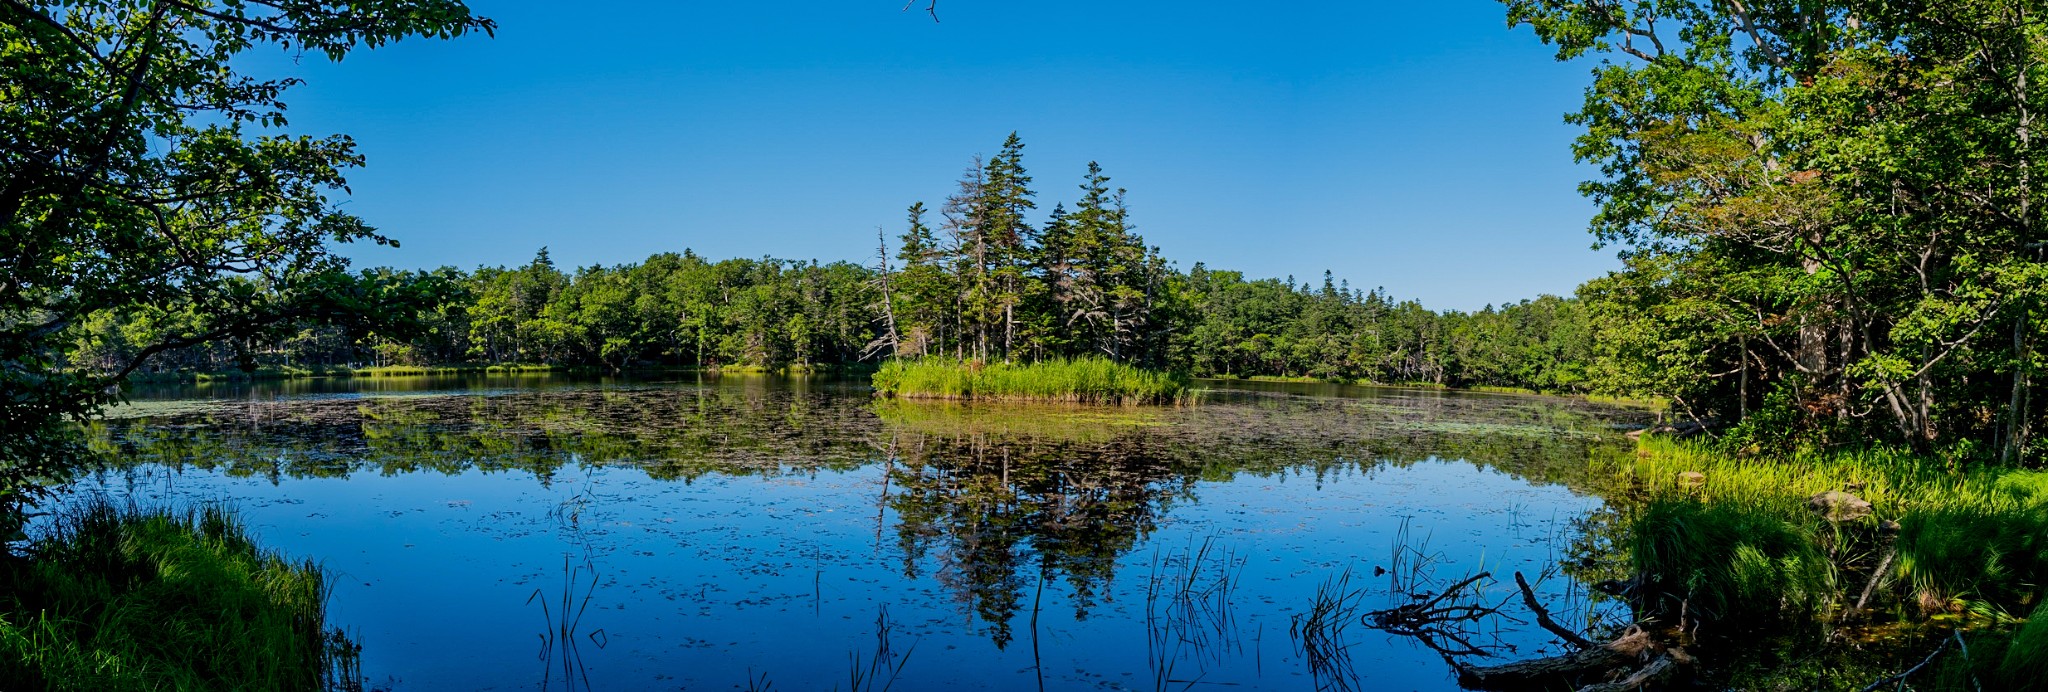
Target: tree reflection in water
(996,499)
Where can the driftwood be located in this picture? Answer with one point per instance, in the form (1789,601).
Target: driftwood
(1545,673)
(1636,660)
(1655,675)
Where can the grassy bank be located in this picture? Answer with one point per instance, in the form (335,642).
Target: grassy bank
(1085,381)
(113,599)
(1739,546)
(1965,540)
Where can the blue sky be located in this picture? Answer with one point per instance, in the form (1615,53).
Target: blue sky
(1415,146)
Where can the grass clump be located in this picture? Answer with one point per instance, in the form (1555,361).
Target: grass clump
(128,599)
(1081,380)
(1729,562)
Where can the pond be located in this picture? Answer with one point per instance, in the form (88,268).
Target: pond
(751,532)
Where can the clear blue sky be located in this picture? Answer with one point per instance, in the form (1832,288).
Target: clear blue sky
(1415,146)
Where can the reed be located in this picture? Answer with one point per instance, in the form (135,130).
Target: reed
(129,599)
(1082,380)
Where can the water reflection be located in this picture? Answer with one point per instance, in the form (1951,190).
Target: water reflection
(992,504)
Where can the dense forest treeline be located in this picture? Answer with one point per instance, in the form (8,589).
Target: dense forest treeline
(977,282)
(1758,335)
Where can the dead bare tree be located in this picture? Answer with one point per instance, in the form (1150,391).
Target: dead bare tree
(889,338)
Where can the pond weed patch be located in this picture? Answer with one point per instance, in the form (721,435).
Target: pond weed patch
(1080,380)
(131,599)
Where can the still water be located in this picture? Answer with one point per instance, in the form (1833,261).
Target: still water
(547,532)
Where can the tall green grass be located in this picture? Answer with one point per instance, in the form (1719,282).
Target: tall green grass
(1084,380)
(1745,541)
(2007,661)
(125,599)
(1730,563)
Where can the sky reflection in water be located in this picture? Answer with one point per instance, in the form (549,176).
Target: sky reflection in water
(746,527)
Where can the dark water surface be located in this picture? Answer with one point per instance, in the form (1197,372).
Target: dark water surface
(547,532)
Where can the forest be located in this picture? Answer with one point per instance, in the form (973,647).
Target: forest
(974,281)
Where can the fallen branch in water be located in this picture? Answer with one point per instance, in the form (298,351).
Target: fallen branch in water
(1434,622)
(1543,617)
(1657,674)
(1915,669)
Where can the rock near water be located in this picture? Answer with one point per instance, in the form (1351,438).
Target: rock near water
(1835,505)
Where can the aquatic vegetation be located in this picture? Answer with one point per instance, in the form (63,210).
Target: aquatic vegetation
(949,418)
(284,372)
(561,651)
(423,370)
(128,599)
(1081,380)
(879,670)
(1502,390)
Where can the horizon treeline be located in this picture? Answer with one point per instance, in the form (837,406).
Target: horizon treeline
(975,281)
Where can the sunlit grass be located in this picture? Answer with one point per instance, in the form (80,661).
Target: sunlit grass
(1741,537)
(113,599)
(1085,380)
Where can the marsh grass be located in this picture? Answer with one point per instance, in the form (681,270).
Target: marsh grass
(1319,632)
(877,671)
(1080,381)
(133,599)
(1745,544)
(1189,612)
(2014,660)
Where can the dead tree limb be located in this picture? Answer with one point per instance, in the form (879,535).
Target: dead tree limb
(1543,617)
(1915,669)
